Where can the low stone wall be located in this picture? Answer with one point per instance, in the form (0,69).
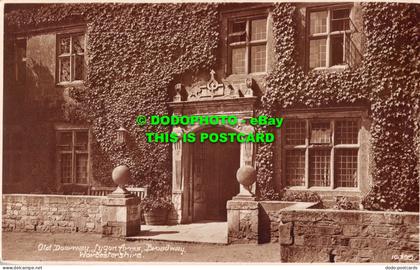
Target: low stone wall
(269,217)
(257,221)
(314,235)
(52,213)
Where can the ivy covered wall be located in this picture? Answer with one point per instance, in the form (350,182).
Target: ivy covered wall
(386,82)
(137,51)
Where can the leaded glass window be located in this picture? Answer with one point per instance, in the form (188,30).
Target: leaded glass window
(247,40)
(329,35)
(73,156)
(71,57)
(321,152)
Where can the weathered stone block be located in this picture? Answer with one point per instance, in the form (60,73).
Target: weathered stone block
(373,218)
(323,230)
(414,237)
(367,230)
(358,243)
(366,253)
(242,221)
(300,229)
(378,243)
(122,215)
(411,219)
(299,240)
(410,245)
(351,230)
(393,218)
(286,233)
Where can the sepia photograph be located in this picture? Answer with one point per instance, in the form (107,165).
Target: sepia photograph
(225,132)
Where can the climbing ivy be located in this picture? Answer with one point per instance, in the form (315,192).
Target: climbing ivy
(135,52)
(289,86)
(393,68)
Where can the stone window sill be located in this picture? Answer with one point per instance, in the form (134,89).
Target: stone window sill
(68,84)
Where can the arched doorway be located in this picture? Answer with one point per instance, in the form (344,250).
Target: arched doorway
(213,176)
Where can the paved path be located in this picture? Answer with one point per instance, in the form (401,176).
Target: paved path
(25,247)
(199,232)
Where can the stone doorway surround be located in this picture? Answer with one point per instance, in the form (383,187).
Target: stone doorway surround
(211,98)
(214,177)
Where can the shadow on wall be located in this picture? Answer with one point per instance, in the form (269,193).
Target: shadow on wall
(40,83)
(264,226)
(33,111)
(43,102)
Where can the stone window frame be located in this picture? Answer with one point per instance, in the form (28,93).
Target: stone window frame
(70,32)
(332,118)
(73,152)
(328,34)
(247,15)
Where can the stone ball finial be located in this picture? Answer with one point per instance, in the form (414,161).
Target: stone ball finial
(246,175)
(121,175)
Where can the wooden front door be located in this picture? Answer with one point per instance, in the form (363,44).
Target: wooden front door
(214,179)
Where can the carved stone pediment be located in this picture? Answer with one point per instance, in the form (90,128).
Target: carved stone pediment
(216,90)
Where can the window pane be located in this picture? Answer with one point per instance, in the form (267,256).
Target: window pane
(352,56)
(258,58)
(238,32)
(79,67)
(318,53)
(238,60)
(340,20)
(259,29)
(337,55)
(346,168)
(81,140)
(319,168)
(64,69)
(320,132)
(295,167)
(81,168)
(346,132)
(295,132)
(65,140)
(318,22)
(64,45)
(238,27)
(66,168)
(79,44)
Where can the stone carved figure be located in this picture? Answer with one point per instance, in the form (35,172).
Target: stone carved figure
(178,89)
(248,90)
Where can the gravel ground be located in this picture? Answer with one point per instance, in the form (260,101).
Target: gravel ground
(92,247)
